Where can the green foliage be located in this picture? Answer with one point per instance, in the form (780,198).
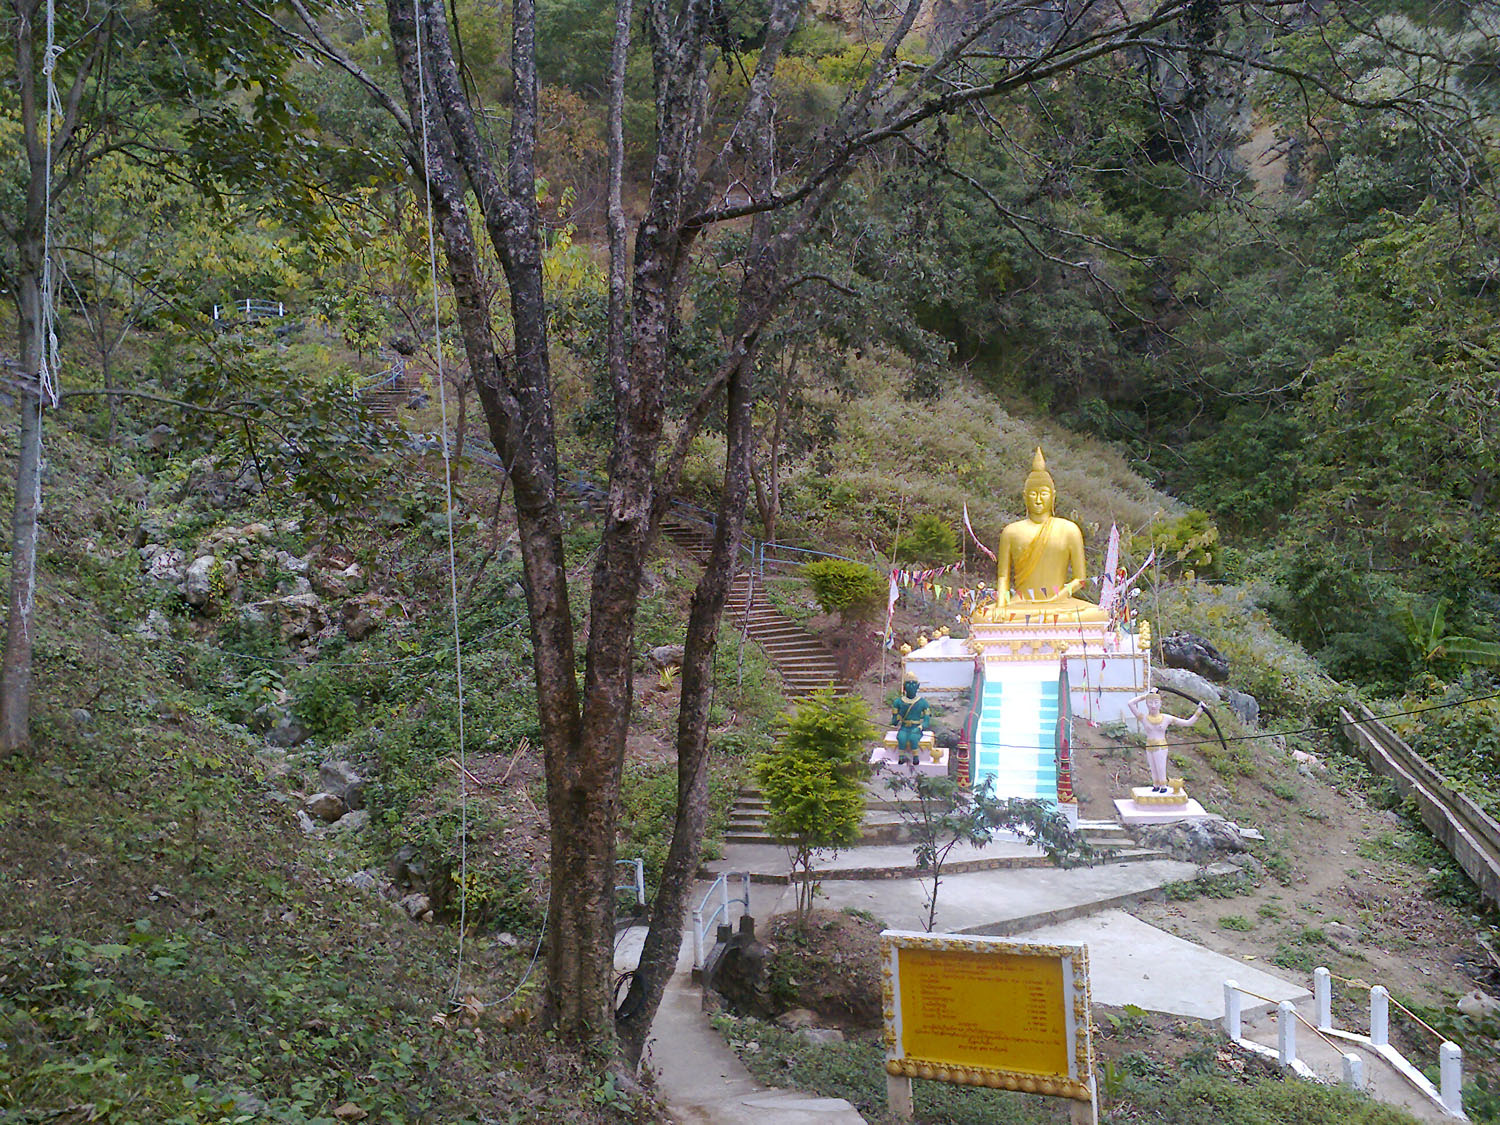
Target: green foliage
(1190,542)
(941,815)
(811,781)
(847,588)
(930,540)
(648,804)
(1141,1087)
(1457,729)
(1434,644)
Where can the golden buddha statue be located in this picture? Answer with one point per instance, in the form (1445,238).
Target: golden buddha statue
(1036,557)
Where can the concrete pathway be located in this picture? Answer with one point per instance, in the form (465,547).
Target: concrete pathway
(702,1081)
(997,902)
(1131,962)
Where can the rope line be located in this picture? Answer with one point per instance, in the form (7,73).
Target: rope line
(191,647)
(458,660)
(1299,1016)
(46,342)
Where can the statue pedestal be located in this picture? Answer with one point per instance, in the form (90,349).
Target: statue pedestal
(1131,813)
(1106,667)
(932,758)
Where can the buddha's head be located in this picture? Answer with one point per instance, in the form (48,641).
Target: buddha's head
(1040,492)
(910,687)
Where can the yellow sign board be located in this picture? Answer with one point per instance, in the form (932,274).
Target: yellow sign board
(988,1012)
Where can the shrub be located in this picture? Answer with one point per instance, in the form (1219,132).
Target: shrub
(849,589)
(930,540)
(811,781)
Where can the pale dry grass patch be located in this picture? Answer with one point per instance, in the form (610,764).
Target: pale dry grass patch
(934,457)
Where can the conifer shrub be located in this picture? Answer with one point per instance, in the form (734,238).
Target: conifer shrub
(812,783)
(930,540)
(849,589)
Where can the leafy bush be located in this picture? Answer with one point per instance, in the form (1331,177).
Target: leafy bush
(930,540)
(648,803)
(811,781)
(1191,542)
(846,588)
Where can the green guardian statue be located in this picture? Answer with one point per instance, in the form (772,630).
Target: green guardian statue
(910,717)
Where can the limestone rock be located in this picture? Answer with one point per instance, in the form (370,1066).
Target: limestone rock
(338,582)
(156,627)
(798,1019)
(209,582)
(1341,932)
(1189,682)
(287,732)
(164,565)
(351,822)
(1194,841)
(341,778)
(299,617)
(327,807)
(818,1035)
(364,614)
(1477,1005)
(416,906)
(366,880)
(667,656)
(309,826)
(1245,707)
(1194,654)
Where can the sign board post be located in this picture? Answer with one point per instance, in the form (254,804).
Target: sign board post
(985,1011)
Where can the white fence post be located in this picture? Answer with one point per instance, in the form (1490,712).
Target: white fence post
(1323,992)
(1286,1033)
(1232,1009)
(1354,1071)
(1451,1077)
(697,939)
(1380,1016)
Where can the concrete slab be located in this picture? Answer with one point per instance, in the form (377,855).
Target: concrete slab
(1133,814)
(769,863)
(996,902)
(1131,962)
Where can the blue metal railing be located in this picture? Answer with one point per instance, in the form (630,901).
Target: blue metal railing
(638,883)
(702,924)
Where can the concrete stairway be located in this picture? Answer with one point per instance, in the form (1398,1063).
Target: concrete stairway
(805,664)
(747,820)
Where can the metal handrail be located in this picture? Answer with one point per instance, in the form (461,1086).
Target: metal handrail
(761,552)
(638,885)
(252,306)
(701,925)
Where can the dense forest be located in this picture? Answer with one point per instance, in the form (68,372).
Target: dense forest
(773,259)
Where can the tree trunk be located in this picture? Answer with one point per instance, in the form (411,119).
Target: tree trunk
(664,938)
(15,666)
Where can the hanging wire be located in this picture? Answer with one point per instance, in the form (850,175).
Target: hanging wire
(46,343)
(458,663)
